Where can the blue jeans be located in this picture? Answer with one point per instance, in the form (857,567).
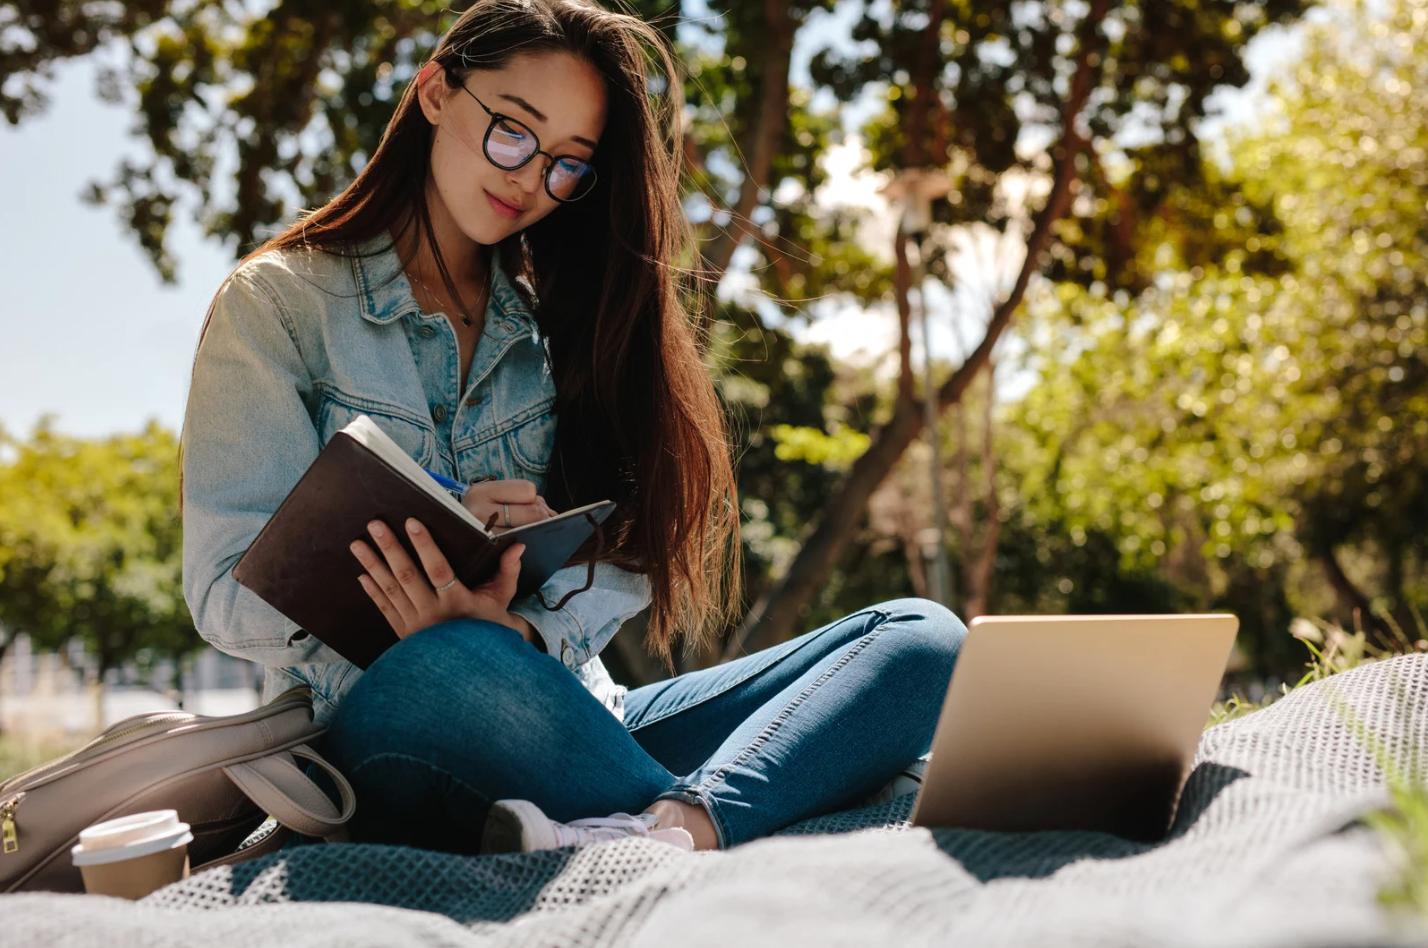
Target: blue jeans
(465,713)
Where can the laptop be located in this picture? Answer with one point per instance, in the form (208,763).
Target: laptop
(1073,722)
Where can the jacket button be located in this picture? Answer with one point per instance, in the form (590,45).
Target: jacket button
(426,332)
(439,413)
(567,655)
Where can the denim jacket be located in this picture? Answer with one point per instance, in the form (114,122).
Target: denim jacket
(298,345)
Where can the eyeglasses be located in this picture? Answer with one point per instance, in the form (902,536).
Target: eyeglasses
(510,144)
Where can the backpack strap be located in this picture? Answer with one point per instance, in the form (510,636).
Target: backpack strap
(288,795)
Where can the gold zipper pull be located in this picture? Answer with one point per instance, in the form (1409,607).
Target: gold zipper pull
(11,841)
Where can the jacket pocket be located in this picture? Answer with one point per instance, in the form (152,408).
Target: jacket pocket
(337,409)
(530,444)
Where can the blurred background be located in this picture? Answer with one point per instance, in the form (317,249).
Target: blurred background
(1051,306)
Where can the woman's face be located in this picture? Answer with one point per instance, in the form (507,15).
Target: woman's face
(557,96)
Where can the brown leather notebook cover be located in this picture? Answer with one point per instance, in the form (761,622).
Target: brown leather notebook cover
(302,565)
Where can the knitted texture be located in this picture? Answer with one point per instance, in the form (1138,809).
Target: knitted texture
(1266,850)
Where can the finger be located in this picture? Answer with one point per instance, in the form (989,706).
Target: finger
(521,514)
(503,584)
(407,574)
(514,491)
(382,577)
(384,605)
(482,494)
(438,570)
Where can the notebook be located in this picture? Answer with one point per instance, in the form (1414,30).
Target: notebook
(302,565)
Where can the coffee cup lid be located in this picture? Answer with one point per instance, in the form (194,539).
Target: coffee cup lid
(129,837)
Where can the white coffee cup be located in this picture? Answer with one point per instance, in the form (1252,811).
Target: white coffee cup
(133,855)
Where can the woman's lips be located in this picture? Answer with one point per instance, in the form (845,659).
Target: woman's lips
(502,208)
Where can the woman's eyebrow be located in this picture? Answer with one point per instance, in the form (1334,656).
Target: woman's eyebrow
(540,116)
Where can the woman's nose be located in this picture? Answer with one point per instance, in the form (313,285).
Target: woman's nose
(529,176)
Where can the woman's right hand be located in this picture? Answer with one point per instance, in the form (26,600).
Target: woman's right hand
(485,498)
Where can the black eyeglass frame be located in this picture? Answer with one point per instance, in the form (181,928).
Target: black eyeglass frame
(554,159)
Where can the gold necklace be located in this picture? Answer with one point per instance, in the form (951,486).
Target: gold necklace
(465,319)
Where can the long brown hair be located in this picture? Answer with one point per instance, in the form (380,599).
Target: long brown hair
(638,418)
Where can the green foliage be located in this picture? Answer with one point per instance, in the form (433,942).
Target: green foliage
(995,77)
(769,382)
(1235,706)
(1403,827)
(90,544)
(835,450)
(1249,435)
(1345,158)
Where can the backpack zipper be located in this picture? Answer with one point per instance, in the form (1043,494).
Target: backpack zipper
(108,737)
(7,824)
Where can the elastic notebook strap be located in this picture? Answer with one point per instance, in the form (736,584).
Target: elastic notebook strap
(589,576)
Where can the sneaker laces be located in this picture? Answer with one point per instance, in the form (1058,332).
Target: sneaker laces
(597,828)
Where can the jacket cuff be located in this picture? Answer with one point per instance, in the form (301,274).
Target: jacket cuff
(561,632)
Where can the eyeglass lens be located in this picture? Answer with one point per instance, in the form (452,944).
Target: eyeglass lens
(509,144)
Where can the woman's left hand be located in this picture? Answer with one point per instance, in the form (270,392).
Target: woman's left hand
(407,594)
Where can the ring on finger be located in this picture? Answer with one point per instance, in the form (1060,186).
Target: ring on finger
(507,509)
(447,586)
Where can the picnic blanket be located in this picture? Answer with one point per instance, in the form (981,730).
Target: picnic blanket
(1266,850)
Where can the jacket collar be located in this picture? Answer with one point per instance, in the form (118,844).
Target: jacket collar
(384,294)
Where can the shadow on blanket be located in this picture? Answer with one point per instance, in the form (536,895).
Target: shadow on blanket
(398,876)
(989,855)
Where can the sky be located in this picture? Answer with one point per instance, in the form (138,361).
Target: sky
(89,335)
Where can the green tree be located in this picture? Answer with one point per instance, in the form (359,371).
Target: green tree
(90,545)
(1256,434)
(969,87)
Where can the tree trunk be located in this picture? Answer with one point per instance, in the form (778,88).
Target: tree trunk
(902,285)
(1353,599)
(1406,627)
(962,510)
(98,698)
(774,616)
(761,142)
(979,574)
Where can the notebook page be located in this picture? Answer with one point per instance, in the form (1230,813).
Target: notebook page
(366,432)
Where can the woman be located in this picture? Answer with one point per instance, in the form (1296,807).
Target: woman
(508,258)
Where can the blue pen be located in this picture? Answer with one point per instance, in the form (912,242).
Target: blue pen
(456,487)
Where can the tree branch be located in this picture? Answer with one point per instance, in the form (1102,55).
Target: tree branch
(773,616)
(762,142)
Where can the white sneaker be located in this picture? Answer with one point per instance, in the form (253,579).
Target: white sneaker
(519,826)
(908,781)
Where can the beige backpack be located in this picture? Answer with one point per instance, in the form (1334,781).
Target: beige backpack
(224,776)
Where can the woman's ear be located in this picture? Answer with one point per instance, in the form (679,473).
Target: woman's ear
(431,90)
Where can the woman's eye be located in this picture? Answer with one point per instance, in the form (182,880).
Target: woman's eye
(508,133)
(509,144)
(568,177)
